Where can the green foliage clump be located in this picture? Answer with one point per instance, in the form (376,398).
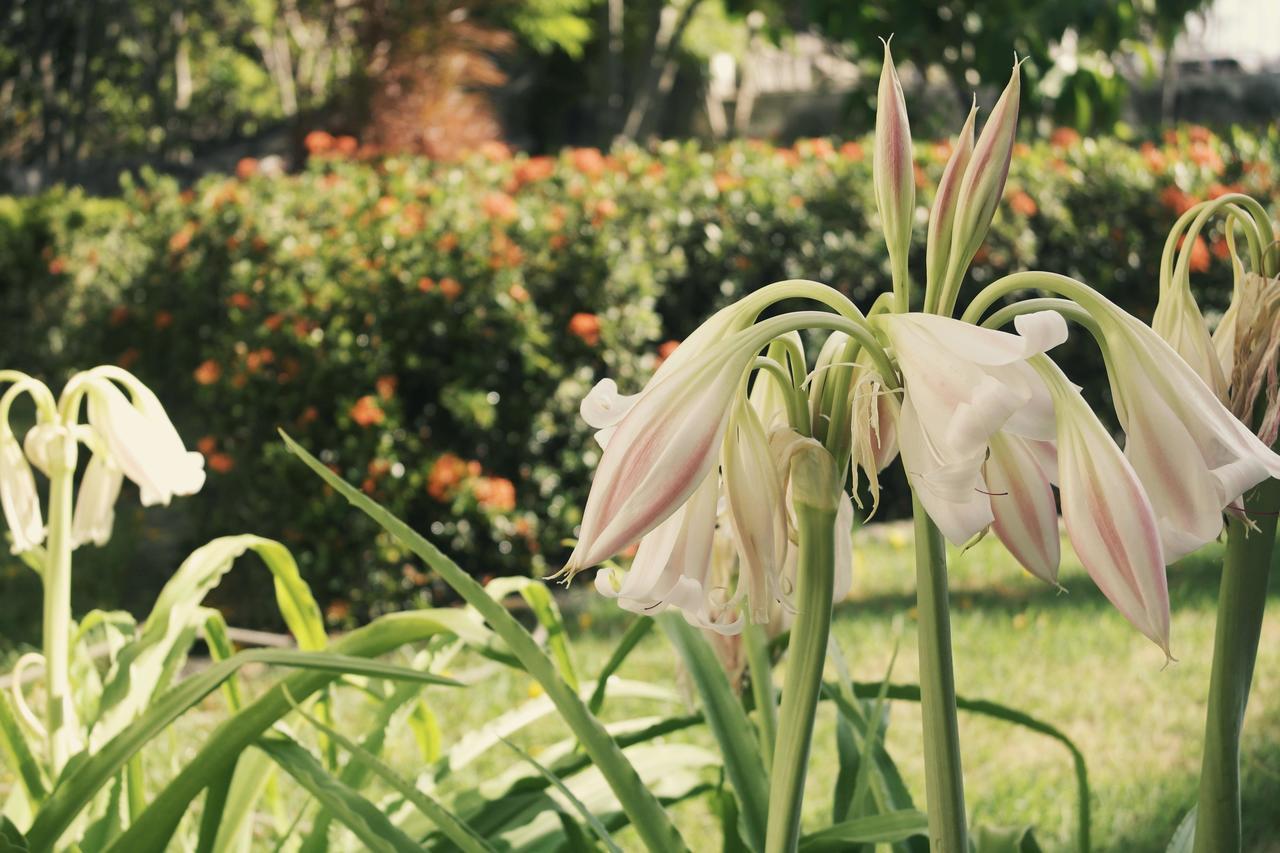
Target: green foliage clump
(429,328)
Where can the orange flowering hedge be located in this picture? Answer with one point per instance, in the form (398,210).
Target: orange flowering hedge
(429,328)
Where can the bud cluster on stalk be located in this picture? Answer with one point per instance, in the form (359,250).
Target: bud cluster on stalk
(739,431)
(127,434)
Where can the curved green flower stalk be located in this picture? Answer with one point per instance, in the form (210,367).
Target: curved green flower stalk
(985,425)
(1238,361)
(126,436)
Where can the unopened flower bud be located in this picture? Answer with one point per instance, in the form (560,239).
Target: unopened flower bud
(892,166)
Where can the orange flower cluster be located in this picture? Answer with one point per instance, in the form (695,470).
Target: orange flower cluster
(208,372)
(1022,203)
(495,493)
(367,411)
(585,327)
(451,475)
(319,144)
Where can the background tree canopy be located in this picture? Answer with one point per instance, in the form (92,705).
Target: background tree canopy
(116,83)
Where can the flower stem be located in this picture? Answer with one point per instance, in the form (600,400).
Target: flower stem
(944,783)
(1241,599)
(807,654)
(757,647)
(57,607)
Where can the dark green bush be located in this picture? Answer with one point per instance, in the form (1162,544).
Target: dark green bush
(429,328)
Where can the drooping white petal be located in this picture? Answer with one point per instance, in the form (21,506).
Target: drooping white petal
(754,497)
(1194,456)
(94,515)
(963,383)
(1025,513)
(673,567)
(144,443)
(1108,514)
(951,489)
(660,451)
(18,496)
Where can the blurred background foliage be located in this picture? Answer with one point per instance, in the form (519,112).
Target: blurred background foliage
(430,327)
(414,232)
(91,87)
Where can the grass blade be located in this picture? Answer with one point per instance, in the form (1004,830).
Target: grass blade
(579,807)
(77,788)
(374,829)
(457,831)
(873,829)
(17,753)
(631,638)
(728,723)
(651,820)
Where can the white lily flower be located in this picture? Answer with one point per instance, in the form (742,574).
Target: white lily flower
(875,430)
(1195,457)
(604,407)
(18,496)
(1178,320)
(755,501)
(1107,512)
(1019,473)
(144,443)
(962,384)
(95,513)
(673,565)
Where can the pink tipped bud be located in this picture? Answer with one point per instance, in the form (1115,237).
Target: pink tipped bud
(892,165)
(1108,513)
(943,214)
(984,179)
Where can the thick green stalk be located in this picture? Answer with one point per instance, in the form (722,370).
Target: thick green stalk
(807,652)
(944,783)
(757,647)
(1242,597)
(57,607)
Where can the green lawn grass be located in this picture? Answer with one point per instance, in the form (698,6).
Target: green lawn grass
(1064,656)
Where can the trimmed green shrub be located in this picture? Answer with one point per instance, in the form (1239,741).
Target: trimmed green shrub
(428,329)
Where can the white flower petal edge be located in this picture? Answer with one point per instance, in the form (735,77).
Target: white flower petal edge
(962,384)
(1192,454)
(143,442)
(757,511)
(1022,502)
(94,515)
(18,496)
(672,568)
(1107,513)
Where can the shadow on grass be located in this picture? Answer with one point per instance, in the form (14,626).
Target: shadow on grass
(1260,780)
(1193,582)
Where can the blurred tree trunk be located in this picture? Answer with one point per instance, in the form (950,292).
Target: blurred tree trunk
(662,66)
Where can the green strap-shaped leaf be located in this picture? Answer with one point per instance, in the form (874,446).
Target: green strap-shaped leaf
(635,632)
(651,820)
(220,649)
(585,813)
(1184,837)
(355,773)
(374,829)
(142,665)
(457,831)
(18,755)
(547,612)
(85,775)
(874,829)
(728,723)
